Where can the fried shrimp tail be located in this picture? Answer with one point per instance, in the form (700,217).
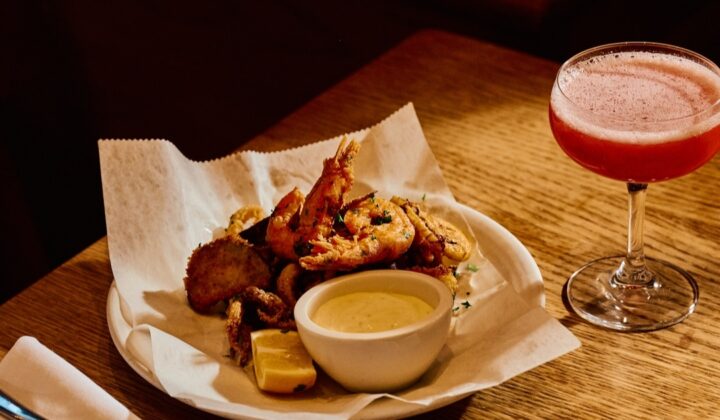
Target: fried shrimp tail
(280,234)
(329,193)
(297,219)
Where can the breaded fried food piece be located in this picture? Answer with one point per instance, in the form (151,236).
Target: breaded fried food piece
(238,333)
(222,268)
(444,273)
(242,217)
(271,310)
(251,309)
(437,240)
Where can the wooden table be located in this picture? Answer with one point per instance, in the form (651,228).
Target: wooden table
(484,112)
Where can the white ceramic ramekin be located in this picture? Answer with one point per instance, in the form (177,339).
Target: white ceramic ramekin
(378,361)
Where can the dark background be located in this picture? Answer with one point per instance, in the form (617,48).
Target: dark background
(211,75)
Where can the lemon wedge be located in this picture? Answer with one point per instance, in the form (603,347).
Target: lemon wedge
(281,362)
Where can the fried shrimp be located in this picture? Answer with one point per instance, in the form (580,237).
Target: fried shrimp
(377,231)
(222,268)
(280,234)
(297,219)
(436,239)
(329,193)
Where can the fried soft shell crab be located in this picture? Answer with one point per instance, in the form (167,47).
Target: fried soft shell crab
(260,271)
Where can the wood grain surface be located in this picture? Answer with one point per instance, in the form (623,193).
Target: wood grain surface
(484,112)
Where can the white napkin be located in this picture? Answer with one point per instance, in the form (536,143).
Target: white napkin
(44,382)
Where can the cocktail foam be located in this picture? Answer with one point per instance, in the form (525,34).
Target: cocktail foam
(638,97)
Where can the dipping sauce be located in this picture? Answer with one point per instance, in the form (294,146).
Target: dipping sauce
(371,312)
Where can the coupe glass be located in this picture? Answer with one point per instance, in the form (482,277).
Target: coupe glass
(637,112)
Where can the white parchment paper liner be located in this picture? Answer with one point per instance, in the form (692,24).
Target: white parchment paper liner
(159,206)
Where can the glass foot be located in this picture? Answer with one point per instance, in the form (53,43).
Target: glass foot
(598,297)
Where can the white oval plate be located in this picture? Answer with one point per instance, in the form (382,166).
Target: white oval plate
(505,252)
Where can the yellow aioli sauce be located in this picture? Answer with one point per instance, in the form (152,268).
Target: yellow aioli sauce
(370,311)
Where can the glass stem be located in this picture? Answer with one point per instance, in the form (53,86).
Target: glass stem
(632,270)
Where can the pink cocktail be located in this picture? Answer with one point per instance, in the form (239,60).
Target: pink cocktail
(638,113)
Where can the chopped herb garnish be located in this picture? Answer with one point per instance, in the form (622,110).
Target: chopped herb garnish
(423,197)
(455,309)
(466,304)
(373,237)
(339,218)
(472,267)
(381,220)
